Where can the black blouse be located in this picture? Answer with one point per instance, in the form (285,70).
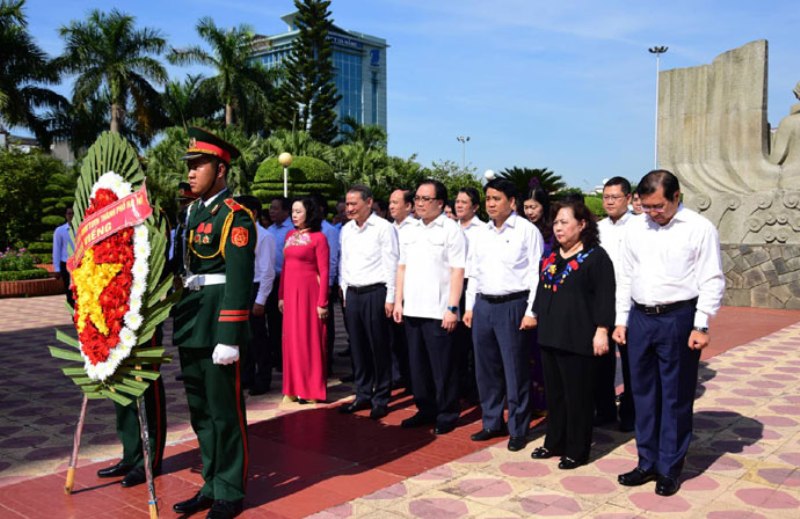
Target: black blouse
(583,300)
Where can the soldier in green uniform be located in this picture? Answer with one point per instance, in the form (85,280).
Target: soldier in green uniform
(132,463)
(212,323)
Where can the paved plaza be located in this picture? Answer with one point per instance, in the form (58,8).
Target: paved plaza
(310,460)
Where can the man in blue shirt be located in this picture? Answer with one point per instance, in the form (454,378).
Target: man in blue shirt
(279,210)
(62,246)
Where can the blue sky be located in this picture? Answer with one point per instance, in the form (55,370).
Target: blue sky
(565,85)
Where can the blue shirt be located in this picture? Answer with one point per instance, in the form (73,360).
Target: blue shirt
(279,232)
(62,243)
(332,235)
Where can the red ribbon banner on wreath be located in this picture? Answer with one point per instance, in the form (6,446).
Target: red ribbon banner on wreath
(127,212)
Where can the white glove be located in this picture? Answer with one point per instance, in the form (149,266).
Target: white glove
(224,354)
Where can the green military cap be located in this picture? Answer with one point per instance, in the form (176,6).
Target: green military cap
(203,142)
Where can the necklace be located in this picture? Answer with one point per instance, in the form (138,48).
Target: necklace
(551,278)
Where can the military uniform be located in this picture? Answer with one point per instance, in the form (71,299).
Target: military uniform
(217,246)
(128,425)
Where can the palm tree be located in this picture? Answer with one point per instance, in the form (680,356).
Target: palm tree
(23,67)
(371,136)
(243,86)
(187,100)
(108,52)
(527,178)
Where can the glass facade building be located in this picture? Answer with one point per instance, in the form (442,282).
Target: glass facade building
(359,62)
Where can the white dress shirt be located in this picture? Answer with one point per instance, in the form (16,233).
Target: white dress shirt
(428,255)
(505,260)
(264,273)
(470,231)
(611,234)
(369,255)
(62,243)
(403,231)
(666,264)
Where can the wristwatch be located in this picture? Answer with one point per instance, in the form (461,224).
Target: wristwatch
(453,309)
(701,329)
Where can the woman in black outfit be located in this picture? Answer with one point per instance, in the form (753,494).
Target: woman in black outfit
(575,308)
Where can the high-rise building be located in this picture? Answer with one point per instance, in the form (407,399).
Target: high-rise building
(359,62)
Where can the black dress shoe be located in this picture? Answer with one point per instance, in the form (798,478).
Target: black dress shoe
(193,504)
(357,405)
(543,453)
(486,434)
(224,509)
(667,486)
(259,390)
(568,463)
(636,477)
(418,420)
(378,412)
(517,443)
(115,471)
(444,429)
(134,477)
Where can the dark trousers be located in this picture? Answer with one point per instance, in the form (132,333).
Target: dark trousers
(368,328)
(257,364)
(502,357)
(217,413)
(275,324)
(663,380)
(66,280)
(333,295)
(465,355)
(401,370)
(433,371)
(627,413)
(129,433)
(605,388)
(569,383)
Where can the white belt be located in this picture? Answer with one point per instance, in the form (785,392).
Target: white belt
(197,281)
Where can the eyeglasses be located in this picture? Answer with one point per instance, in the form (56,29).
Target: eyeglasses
(425,199)
(654,208)
(612,198)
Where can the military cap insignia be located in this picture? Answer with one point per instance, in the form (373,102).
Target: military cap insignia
(239,236)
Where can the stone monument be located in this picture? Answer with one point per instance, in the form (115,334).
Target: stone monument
(736,171)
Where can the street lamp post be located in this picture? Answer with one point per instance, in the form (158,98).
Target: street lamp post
(285,160)
(463,139)
(658,51)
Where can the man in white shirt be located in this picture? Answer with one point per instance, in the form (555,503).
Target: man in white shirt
(367,277)
(467,204)
(670,284)
(430,275)
(279,209)
(62,245)
(503,264)
(401,203)
(257,367)
(616,197)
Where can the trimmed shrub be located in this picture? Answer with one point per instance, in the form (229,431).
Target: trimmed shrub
(19,275)
(306,175)
(595,205)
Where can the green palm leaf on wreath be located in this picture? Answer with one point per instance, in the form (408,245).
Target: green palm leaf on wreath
(111,152)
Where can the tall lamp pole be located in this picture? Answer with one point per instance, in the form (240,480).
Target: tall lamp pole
(658,51)
(285,160)
(463,139)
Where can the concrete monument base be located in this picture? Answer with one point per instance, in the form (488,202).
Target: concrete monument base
(765,276)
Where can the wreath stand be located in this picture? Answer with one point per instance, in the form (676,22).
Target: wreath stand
(152,502)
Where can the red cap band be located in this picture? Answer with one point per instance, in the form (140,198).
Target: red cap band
(205,147)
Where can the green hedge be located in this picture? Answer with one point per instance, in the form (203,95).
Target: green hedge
(595,205)
(306,175)
(52,220)
(18,275)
